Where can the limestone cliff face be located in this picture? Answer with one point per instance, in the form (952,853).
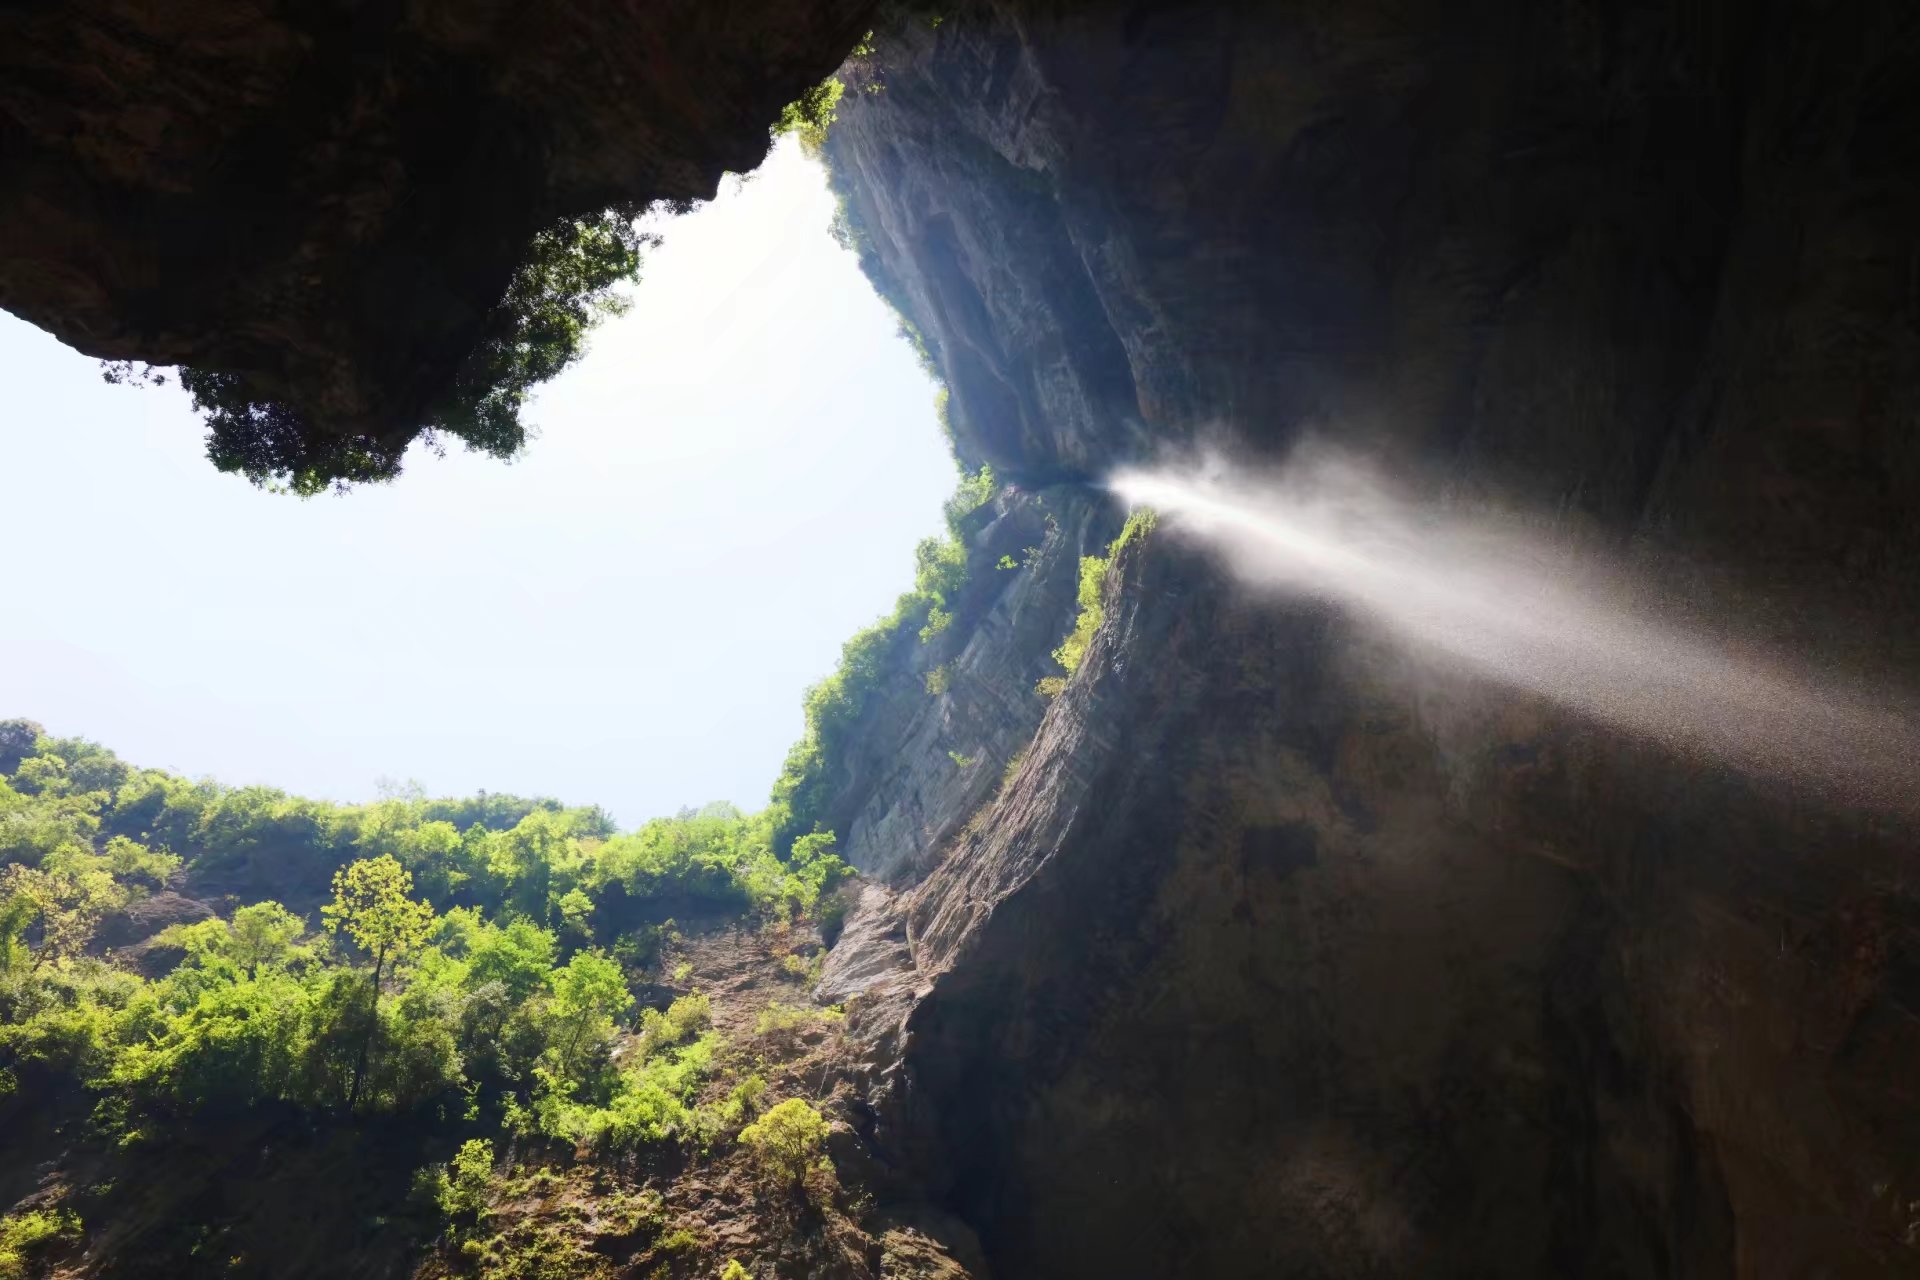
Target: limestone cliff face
(1280,953)
(329,197)
(928,760)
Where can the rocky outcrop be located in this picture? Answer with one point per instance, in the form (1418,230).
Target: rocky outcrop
(1284,953)
(329,198)
(934,746)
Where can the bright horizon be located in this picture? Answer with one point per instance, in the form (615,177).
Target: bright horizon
(724,489)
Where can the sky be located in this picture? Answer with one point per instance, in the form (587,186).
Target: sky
(723,490)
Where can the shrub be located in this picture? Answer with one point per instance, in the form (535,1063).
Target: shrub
(784,1142)
(743,1100)
(459,1187)
(25,1234)
(684,1017)
(649,1103)
(470,1172)
(678,1240)
(811,115)
(1073,649)
(794,1021)
(1093,611)
(803,969)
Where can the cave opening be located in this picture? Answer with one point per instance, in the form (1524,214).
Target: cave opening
(1199,927)
(725,487)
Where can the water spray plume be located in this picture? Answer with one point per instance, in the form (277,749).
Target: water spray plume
(1514,607)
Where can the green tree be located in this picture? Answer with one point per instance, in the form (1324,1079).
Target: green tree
(131,861)
(263,936)
(18,911)
(370,904)
(67,906)
(17,739)
(24,1235)
(517,955)
(588,994)
(469,1172)
(784,1141)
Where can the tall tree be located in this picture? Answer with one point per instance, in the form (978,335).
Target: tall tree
(17,739)
(67,904)
(371,903)
(263,934)
(587,995)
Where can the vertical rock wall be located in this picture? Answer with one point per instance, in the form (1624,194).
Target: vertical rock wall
(1283,953)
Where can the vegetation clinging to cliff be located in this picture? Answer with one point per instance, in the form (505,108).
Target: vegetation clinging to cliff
(1092,600)
(810,116)
(561,290)
(24,1235)
(809,775)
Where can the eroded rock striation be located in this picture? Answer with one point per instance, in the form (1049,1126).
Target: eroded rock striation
(1280,952)
(329,198)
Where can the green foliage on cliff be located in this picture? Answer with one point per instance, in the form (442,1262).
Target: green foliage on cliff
(1093,572)
(649,1101)
(810,116)
(458,966)
(460,1187)
(812,769)
(565,284)
(23,1236)
(1092,601)
(786,1140)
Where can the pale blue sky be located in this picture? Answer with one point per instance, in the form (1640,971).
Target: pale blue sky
(725,488)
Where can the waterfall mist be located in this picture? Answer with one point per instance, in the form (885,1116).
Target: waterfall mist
(1512,603)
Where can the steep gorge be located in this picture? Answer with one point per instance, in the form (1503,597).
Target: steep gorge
(1282,951)
(1267,947)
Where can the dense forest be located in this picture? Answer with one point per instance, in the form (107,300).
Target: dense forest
(181,959)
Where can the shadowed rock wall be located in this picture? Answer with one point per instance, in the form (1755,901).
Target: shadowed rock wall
(1284,953)
(329,197)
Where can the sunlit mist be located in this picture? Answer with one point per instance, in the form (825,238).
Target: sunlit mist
(1519,608)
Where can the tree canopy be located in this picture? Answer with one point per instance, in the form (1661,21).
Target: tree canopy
(488,945)
(370,904)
